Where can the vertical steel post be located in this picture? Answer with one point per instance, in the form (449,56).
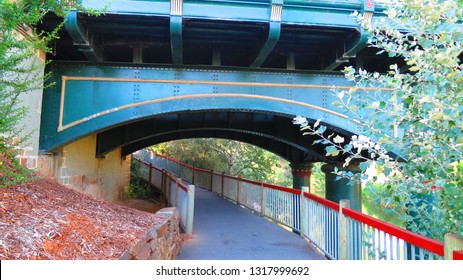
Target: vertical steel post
(262,200)
(163,186)
(150,173)
(223,181)
(304,215)
(452,242)
(193,179)
(212,179)
(190,212)
(179,180)
(343,230)
(238,187)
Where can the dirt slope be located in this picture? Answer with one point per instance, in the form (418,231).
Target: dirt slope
(43,219)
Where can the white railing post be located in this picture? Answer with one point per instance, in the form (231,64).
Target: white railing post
(179,180)
(193,179)
(212,179)
(238,189)
(343,230)
(262,201)
(304,212)
(163,187)
(150,173)
(190,212)
(223,183)
(452,242)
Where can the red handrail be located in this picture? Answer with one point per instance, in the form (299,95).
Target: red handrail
(280,188)
(283,189)
(150,164)
(429,244)
(326,202)
(426,243)
(267,185)
(202,170)
(250,181)
(229,176)
(458,255)
(183,186)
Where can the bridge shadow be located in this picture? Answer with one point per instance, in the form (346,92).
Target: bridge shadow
(226,231)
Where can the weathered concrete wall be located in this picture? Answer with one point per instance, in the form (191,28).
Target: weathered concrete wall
(29,150)
(160,243)
(76,166)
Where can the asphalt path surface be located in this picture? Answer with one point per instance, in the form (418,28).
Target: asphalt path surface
(223,230)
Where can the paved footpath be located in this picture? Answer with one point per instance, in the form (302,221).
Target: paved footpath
(224,231)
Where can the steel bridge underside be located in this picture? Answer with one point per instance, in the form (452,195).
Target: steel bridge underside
(147,72)
(135,107)
(281,34)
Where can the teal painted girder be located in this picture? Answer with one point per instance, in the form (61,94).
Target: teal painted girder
(319,35)
(275,133)
(320,13)
(87,98)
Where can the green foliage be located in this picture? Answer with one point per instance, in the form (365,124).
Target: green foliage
(138,188)
(232,157)
(20,70)
(317,180)
(11,172)
(368,242)
(415,111)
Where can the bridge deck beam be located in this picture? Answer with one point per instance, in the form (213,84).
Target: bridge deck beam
(176,29)
(273,33)
(81,38)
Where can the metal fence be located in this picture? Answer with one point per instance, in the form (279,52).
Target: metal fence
(321,223)
(339,232)
(175,190)
(379,240)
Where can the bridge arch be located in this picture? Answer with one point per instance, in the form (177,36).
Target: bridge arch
(275,133)
(132,107)
(128,105)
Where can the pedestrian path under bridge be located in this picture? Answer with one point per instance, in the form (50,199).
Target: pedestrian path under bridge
(229,217)
(225,231)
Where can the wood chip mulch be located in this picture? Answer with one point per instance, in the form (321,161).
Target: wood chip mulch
(43,219)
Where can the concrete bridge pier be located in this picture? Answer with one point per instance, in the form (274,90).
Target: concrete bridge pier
(76,166)
(343,188)
(301,178)
(301,174)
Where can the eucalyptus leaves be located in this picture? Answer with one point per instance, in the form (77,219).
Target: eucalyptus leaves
(414,113)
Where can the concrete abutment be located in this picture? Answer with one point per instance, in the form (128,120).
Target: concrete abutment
(76,166)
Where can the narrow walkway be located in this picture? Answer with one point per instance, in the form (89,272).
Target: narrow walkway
(222,230)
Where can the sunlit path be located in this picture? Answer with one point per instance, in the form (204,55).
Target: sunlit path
(223,230)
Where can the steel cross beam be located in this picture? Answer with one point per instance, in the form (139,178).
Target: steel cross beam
(368,9)
(80,37)
(273,32)
(176,22)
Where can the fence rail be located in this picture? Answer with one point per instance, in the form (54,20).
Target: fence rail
(339,232)
(176,192)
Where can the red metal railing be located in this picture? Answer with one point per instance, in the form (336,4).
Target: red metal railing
(426,243)
(323,201)
(458,255)
(281,205)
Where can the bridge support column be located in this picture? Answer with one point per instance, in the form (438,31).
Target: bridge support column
(301,174)
(301,178)
(343,188)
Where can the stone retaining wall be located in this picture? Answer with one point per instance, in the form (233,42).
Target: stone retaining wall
(160,243)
